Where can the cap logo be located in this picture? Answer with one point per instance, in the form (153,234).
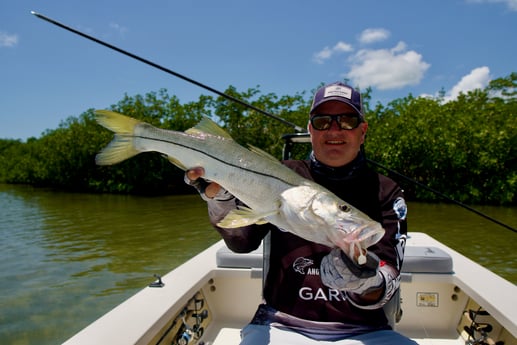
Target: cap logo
(338,91)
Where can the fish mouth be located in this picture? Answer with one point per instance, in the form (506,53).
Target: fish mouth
(368,234)
(356,241)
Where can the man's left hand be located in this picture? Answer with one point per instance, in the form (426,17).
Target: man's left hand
(340,272)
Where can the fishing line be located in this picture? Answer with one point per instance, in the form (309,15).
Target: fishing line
(440,194)
(166,70)
(263,112)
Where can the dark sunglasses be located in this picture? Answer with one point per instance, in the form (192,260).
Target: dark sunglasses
(322,122)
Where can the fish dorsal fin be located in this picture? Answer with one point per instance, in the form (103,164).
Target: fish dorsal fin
(208,126)
(263,153)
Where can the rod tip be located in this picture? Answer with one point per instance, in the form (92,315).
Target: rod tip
(34,13)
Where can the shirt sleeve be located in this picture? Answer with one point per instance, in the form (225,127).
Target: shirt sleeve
(394,211)
(391,247)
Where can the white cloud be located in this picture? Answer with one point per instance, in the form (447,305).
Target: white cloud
(342,47)
(8,40)
(373,35)
(387,68)
(119,28)
(326,53)
(511,4)
(478,78)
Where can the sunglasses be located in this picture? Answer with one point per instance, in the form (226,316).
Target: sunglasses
(322,122)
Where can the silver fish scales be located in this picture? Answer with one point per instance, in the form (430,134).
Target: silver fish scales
(272,192)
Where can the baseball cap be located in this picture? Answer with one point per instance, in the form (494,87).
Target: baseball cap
(338,91)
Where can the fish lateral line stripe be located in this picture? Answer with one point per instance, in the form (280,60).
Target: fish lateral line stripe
(213,157)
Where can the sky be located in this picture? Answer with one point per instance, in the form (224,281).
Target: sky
(397,48)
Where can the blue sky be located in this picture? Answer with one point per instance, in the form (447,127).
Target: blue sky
(397,47)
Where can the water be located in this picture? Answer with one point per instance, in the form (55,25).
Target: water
(66,259)
(481,240)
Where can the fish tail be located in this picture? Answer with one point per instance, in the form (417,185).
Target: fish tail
(121,147)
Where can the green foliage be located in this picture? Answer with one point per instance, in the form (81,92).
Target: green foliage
(464,148)
(65,157)
(248,127)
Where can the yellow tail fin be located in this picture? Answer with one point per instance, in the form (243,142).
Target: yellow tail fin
(121,148)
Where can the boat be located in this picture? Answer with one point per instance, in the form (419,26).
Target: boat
(444,298)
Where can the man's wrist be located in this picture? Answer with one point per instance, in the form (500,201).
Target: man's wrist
(390,284)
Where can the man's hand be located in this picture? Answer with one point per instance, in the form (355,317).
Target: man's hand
(209,189)
(338,271)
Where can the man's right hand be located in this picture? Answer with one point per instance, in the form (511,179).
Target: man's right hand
(209,189)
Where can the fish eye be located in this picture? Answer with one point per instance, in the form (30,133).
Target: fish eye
(344,208)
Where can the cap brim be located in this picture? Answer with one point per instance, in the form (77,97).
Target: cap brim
(339,99)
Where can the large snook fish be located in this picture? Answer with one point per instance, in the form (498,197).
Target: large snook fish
(272,192)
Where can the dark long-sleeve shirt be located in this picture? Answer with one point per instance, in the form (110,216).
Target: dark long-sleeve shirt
(293,284)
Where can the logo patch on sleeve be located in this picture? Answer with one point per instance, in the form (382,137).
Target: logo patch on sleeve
(400,208)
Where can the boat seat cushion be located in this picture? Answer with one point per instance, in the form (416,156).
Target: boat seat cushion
(228,259)
(426,260)
(416,259)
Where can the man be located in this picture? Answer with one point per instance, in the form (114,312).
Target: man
(313,293)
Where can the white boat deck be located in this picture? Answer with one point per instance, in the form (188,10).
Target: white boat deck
(231,336)
(434,298)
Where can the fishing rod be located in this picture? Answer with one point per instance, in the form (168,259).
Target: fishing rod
(169,71)
(263,112)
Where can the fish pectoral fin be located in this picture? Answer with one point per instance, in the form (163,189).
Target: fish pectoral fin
(244,216)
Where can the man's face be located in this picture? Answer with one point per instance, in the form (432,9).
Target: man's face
(336,147)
